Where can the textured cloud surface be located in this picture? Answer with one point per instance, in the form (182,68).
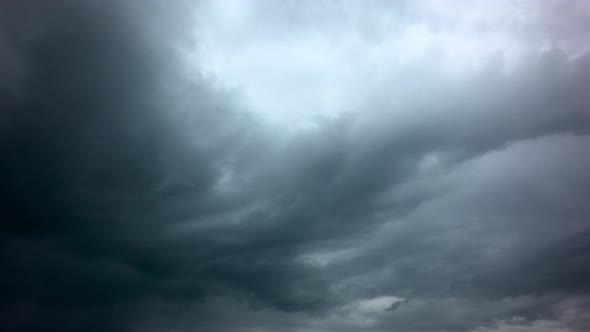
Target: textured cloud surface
(295,166)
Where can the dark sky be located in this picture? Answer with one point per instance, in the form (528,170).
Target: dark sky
(297,166)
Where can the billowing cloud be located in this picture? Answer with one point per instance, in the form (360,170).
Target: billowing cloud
(294,166)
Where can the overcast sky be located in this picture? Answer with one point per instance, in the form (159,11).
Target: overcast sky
(295,166)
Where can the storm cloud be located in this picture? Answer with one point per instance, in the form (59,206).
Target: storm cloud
(294,166)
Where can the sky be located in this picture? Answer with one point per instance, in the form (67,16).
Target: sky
(295,166)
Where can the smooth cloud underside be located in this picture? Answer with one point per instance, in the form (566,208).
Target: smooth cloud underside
(294,166)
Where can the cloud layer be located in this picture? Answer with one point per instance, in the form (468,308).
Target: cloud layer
(294,166)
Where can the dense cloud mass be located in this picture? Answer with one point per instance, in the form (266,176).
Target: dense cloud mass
(302,166)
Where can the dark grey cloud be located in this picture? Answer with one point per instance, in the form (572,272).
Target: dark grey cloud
(141,194)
